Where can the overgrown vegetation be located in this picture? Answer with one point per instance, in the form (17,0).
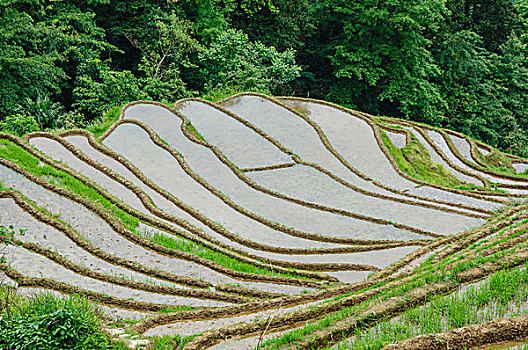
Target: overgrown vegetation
(51,323)
(415,161)
(19,125)
(498,162)
(100,125)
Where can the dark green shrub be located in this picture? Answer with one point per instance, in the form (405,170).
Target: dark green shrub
(47,113)
(19,124)
(46,322)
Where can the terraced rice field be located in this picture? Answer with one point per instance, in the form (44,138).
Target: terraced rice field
(263,222)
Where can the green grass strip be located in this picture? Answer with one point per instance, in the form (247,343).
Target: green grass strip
(100,125)
(30,163)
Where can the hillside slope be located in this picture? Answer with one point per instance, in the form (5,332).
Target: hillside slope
(289,220)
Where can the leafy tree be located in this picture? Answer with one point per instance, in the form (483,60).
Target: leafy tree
(27,67)
(383,49)
(232,60)
(456,63)
(281,23)
(484,90)
(465,85)
(511,71)
(493,20)
(163,59)
(209,17)
(95,96)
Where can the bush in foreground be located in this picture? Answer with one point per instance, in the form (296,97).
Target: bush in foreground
(48,322)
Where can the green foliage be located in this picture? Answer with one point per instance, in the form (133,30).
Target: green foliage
(47,322)
(458,63)
(192,130)
(215,95)
(169,342)
(415,161)
(19,125)
(384,45)
(44,49)
(233,61)
(484,90)
(493,20)
(95,96)
(48,114)
(74,120)
(27,68)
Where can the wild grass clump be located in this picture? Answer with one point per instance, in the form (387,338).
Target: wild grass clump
(415,161)
(48,323)
(100,125)
(192,130)
(497,161)
(169,342)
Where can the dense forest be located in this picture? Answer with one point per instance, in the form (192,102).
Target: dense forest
(460,64)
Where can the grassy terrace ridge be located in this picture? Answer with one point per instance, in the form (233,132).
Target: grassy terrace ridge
(496,161)
(30,163)
(414,160)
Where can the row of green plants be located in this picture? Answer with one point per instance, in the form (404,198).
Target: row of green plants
(429,273)
(501,295)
